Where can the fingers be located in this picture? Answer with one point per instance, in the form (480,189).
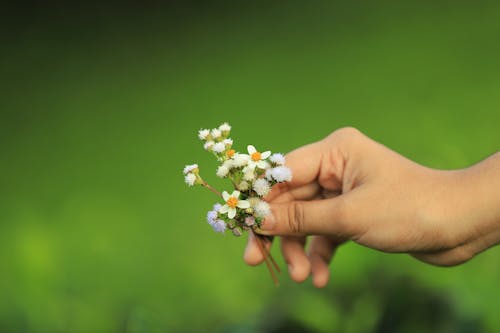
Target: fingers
(316,217)
(298,263)
(305,163)
(253,256)
(321,252)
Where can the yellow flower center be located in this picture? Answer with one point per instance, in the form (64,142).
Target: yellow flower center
(230,153)
(256,156)
(232,202)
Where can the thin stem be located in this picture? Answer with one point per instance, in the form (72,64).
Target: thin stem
(267,259)
(205,184)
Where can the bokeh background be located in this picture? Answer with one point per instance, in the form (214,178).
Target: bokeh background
(99,109)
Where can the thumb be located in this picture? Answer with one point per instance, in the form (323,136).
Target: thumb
(299,218)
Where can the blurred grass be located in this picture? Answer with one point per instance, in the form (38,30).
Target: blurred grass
(98,114)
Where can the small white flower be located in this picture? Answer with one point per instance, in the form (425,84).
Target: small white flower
(232,202)
(219,226)
(224,127)
(257,158)
(248,175)
(261,187)
(228,164)
(277,159)
(208,145)
(240,160)
(281,174)
(269,175)
(222,171)
(219,147)
(189,168)
(262,209)
(215,133)
(228,142)
(203,134)
(243,186)
(190,179)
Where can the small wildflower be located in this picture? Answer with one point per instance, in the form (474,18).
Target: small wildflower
(190,179)
(208,145)
(222,171)
(249,221)
(261,187)
(211,216)
(203,134)
(281,174)
(215,133)
(190,168)
(228,142)
(230,153)
(219,147)
(233,202)
(257,158)
(217,207)
(240,160)
(262,209)
(219,226)
(243,186)
(225,127)
(277,158)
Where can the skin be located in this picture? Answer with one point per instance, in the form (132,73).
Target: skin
(348,187)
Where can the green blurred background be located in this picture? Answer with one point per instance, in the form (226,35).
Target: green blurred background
(99,109)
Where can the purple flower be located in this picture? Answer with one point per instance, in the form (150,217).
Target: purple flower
(219,226)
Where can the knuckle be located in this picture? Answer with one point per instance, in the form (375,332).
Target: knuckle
(295,217)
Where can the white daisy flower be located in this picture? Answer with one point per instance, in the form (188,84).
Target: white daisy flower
(208,145)
(225,127)
(219,147)
(261,187)
(277,159)
(190,179)
(203,134)
(190,168)
(219,226)
(240,160)
(232,202)
(222,171)
(281,174)
(228,142)
(215,133)
(257,158)
(261,208)
(243,186)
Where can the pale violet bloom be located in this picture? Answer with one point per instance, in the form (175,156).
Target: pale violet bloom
(215,133)
(190,168)
(190,179)
(217,206)
(277,159)
(249,221)
(261,187)
(203,134)
(219,147)
(281,174)
(232,202)
(219,226)
(212,217)
(257,158)
(225,127)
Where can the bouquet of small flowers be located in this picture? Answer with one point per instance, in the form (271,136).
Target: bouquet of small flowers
(252,176)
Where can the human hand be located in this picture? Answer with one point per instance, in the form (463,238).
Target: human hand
(349,187)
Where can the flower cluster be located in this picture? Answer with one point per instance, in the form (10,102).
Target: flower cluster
(252,174)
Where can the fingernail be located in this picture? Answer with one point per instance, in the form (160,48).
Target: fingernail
(268,223)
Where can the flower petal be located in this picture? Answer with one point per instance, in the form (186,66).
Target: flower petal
(262,164)
(236,194)
(224,209)
(231,213)
(225,195)
(243,204)
(265,155)
(251,149)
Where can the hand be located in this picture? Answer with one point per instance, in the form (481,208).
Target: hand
(349,187)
